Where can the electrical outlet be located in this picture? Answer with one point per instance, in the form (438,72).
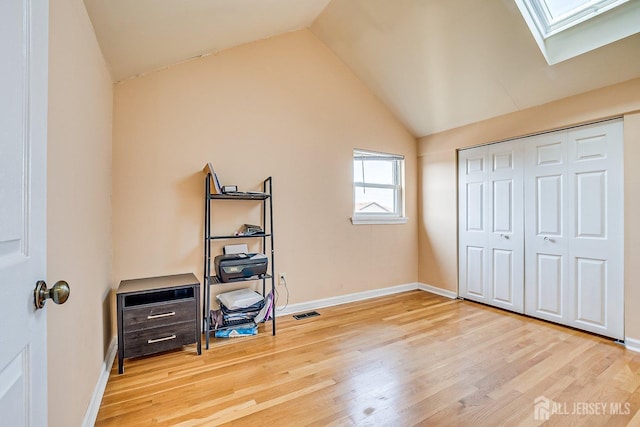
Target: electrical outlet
(282,278)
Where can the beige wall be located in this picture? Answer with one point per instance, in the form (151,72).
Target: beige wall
(437,164)
(631,225)
(78,211)
(437,202)
(284,107)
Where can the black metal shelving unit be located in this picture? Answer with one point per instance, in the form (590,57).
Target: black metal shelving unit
(266,197)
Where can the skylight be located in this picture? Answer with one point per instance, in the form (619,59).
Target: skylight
(567,28)
(557,15)
(557,8)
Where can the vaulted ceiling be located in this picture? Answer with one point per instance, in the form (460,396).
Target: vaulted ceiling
(437,64)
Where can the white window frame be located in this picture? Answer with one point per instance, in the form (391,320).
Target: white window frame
(550,25)
(396,217)
(582,29)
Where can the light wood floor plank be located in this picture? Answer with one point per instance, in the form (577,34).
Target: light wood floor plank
(406,359)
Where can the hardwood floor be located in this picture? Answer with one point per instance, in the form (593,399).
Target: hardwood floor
(407,359)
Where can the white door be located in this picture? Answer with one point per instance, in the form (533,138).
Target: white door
(574,228)
(23,132)
(491,225)
(547,200)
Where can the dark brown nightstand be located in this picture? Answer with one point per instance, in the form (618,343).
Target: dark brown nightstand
(157,314)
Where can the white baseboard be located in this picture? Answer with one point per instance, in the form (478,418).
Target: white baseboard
(343,299)
(94,405)
(437,291)
(359,296)
(631,344)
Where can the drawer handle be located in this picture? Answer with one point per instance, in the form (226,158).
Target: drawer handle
(159,316)
(170,337)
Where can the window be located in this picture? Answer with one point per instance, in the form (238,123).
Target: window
(553,16)
(378,188)
(564,29)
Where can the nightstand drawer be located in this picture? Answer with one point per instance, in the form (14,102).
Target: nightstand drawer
(154,315)
(149,341)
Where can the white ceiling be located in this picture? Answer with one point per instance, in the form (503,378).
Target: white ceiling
(440,64)
(138,36)
(437,64)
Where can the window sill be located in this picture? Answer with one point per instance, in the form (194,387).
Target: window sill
(379,220)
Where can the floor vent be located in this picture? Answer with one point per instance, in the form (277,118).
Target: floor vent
(305,315)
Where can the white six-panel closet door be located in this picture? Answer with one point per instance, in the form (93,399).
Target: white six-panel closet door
(547,203)
(574,228)
(491,225)
(541,226)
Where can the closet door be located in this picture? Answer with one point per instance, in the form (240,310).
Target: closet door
(547,203)
(574,228)
(491,227)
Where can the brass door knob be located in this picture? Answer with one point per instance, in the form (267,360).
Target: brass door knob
(59,293)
